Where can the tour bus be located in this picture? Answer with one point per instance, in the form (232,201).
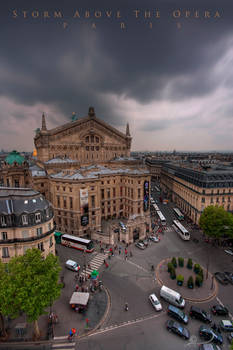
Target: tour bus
(181,230)
(178,213)
(156,208)
(77,243)
(161,217)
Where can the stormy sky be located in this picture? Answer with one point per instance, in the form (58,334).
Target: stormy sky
(166,67)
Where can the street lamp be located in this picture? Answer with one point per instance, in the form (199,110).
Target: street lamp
(85,266)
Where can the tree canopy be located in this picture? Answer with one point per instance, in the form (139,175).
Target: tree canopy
(29,284)
(216,222)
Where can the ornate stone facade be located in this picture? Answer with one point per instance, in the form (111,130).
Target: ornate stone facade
(26,221)
(86,140)
(89,156)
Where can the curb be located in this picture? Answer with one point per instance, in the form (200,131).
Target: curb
(103,318)
(54,341)
(212,296)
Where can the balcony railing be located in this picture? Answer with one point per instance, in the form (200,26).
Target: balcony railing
(28,239)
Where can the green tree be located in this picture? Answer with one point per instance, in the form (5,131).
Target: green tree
(8,303)
(216,222)
(33,283)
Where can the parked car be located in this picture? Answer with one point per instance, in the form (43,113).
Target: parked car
(178,329)
(229,276)
(209,346)
(220,276)
(226,325)
(176,313)
(219,310)
(200,314)
(154,239)
(229,251)
(140,245)
(209,334)
(155,302)
(230,337)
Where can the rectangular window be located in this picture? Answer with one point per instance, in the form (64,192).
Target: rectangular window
(3,221)
(24,219)
(93,201)
(103,211)
(71,203)
(121,191)
(203,200)
(57,188)
(39,231)
(217,200)
(223,199)
(49,226)
(131,192)
(102,193)
(211,200)
(41,246)
(37,217)
(139,192)
(16,183)
(4,236)
(64,203)
(114,192)
(50,242)
(5,252)
(70,189)
(58,201)
(229,199)
(64,188)
(108,192)
(139,210)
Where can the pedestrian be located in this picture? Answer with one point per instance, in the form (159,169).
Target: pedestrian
(119,250)
(76,287)
(126,256)
(126,251)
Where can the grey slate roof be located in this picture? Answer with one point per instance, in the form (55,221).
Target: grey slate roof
(60,160)
(94,171)
(17,201)
(37,171)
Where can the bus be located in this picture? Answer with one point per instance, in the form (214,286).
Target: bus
(181,230)
(156,208)
(161,217)
(77,243)
(178,213)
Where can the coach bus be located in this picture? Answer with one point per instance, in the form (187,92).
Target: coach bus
(77,243)
(181,230)
(161,217)
(178,213)
(156,208)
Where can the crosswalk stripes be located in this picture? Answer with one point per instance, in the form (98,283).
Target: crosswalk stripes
(95,263)
(64,346)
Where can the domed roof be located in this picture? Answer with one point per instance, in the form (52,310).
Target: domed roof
(14,156)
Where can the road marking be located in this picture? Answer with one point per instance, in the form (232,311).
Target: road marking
(132,263)
(64,345)
(126,323)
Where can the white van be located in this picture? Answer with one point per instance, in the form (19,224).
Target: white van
(172,297)
(72,265)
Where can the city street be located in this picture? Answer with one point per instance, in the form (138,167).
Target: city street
(132,281)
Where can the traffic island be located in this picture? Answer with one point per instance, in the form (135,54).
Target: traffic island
(205,292)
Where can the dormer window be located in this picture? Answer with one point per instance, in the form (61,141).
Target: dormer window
(24,219)
(38,217)
(3,220)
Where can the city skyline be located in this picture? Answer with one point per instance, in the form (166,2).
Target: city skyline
(166,70)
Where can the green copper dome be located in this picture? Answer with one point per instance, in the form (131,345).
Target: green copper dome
(14,156)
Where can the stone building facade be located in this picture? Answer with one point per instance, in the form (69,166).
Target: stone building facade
(84,168)
(193,190)
(26,221)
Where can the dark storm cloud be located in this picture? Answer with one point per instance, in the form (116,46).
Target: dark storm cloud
(74,68)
